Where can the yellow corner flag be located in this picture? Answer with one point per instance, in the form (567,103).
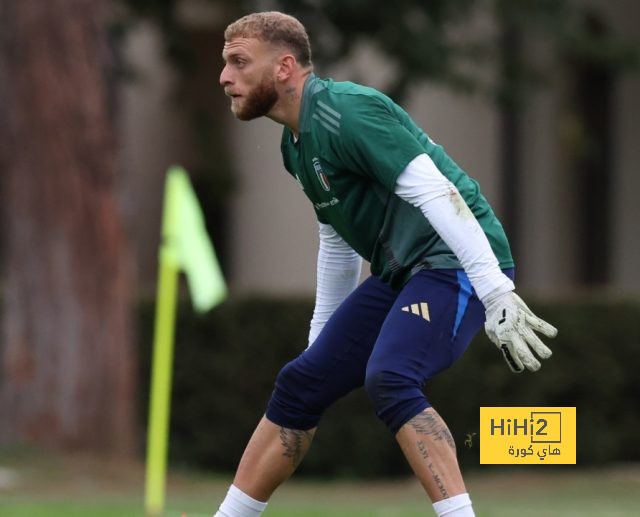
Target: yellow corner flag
(185,247)
(186,243)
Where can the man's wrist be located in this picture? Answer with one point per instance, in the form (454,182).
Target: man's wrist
(498,292)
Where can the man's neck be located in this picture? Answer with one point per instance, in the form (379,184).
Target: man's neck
(287,109)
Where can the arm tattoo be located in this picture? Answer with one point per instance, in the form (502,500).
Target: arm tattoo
(295,443)
(431,425)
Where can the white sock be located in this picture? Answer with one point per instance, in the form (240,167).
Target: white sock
(239,504)
(456,506)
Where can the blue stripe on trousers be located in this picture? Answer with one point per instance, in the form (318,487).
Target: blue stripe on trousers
(463,300)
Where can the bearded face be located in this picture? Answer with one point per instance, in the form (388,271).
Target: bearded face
(258,101)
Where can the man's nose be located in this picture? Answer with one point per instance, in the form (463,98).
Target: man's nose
(225,77)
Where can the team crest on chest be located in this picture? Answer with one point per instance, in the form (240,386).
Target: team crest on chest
(322,177)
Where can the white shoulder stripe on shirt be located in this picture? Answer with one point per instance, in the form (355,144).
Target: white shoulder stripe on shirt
(329,109)
(326,125)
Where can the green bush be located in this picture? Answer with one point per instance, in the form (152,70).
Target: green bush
(226,361)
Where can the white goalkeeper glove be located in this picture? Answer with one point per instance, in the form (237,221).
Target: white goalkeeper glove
(510,324)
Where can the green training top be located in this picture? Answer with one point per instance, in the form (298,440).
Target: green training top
(353,143)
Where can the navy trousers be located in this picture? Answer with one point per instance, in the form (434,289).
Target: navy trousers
(392,342)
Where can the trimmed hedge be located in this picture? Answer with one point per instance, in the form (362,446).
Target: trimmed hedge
(226,361)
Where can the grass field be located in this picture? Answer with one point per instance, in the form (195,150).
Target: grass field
(36,486)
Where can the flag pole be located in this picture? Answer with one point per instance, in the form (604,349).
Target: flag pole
(161,368)
(160,394)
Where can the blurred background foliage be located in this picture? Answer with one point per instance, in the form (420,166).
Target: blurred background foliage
(244,343)
(425,40)
(226,361)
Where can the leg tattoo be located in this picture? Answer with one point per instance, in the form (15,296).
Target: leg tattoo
(292,441)
(434,475)
(431,424)
(430,429)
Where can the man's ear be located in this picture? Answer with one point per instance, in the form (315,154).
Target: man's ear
(286,67)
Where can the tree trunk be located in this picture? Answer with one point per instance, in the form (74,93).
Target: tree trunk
(67,373)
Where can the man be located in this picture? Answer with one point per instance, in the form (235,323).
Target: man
(440,264)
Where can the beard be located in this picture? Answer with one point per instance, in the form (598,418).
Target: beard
(259,101)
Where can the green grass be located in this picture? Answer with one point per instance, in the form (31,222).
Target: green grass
(34,486)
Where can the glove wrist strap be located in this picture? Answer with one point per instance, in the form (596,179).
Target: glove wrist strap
(497,293)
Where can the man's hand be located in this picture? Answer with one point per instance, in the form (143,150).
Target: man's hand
(510,325)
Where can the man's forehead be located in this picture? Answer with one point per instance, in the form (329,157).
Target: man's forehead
(241,44)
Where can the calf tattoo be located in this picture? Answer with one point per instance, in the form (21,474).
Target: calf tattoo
(430,424)
(434,475)
(295,444)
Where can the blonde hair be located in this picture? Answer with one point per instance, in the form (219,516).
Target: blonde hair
(276,28)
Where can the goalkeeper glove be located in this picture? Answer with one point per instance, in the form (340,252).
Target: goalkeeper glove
(510,324)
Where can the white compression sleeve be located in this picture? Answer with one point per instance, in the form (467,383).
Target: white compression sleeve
(338,274)
(423,185)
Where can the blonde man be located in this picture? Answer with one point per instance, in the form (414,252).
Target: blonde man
(382,190)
